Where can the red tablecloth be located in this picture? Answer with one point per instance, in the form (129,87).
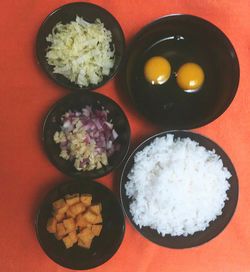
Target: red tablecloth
(27,175)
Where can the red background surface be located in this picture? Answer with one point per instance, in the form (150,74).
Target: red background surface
(27,175)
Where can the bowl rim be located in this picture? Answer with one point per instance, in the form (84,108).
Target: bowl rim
(149,140)
(226,41)
(73,86)
(54,107)
(58,186)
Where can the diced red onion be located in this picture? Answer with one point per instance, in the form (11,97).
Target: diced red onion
(99,131)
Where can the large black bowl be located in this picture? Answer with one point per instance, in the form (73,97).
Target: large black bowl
(77,101)
(181,39)
(103,247)
(215,227)
(66,14)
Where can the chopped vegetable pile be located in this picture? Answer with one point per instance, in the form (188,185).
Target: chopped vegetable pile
(76,220)
(81,51)
(87,138)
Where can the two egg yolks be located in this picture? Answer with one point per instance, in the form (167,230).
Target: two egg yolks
(190,76)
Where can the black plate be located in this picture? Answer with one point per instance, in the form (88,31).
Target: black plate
(103,247)
(215,227)
(181,39)
(66,14)
(76,101)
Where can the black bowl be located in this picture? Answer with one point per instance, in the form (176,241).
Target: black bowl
(181,39)
(76,101)
(215,227)
(66,14)
(103,247)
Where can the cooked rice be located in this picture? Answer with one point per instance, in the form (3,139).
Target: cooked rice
(176,186)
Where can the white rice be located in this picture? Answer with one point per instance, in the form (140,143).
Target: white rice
(176,186)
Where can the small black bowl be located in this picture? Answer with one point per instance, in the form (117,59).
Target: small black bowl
(103,247)
(182,39)
(77,101)
(66,14)
(215,227)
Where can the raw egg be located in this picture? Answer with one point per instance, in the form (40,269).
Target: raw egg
(157,70)
(190,77)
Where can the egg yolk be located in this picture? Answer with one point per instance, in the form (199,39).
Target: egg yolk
(190,77)
(157,70)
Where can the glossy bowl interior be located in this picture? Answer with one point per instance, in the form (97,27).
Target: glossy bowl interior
(182,39)
(103,247)
(77,101)
(66,14)
(215,227)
